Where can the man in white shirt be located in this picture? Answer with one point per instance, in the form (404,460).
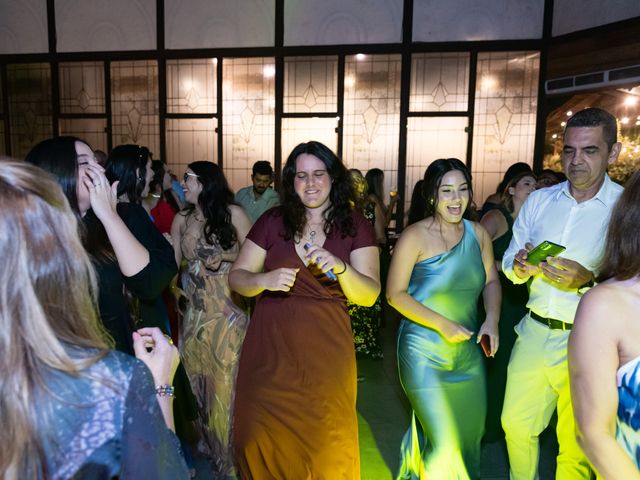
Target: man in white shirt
(259,197)
(574,214)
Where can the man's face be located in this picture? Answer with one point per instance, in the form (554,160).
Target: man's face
(261,182)
(585,156)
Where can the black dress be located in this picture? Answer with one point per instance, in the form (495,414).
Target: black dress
(513,308)
(144,291)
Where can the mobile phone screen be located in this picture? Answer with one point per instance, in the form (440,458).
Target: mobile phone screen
(544,250)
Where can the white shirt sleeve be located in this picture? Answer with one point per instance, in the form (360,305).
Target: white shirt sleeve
(521,235)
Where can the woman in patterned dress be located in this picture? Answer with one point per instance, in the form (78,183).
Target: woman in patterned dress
(209,235)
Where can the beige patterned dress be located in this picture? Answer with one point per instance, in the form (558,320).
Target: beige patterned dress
(212,333)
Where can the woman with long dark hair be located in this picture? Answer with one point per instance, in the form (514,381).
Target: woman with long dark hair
(120,259)
(296,395)
(71,408)
(604,349)
(375,183)
(208,235)
(129,167)
(440,267)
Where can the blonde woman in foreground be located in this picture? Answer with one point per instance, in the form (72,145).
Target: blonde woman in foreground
(69,406)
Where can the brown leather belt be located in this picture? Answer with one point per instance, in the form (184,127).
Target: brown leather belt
(552,323)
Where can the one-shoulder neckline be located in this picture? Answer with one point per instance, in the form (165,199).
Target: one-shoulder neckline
(465,224)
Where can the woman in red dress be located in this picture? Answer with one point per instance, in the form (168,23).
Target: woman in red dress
(295,413)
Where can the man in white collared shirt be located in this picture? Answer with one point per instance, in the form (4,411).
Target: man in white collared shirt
(574,214)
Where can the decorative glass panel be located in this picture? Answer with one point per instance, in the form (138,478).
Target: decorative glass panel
(372,114)
(298,130)
(190,139)
(248,119)
(29,89)
(310,84)
(505,116)
(191,85)
(134,103)
(91,130)
(430,138)
(439,82)
(82,87)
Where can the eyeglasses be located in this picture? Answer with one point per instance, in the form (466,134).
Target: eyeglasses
(189,174)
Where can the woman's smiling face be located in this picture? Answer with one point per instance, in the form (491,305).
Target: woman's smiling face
(453,197)
(312,182)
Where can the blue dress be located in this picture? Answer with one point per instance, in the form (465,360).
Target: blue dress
(444,382)
(105,424)
(628,419)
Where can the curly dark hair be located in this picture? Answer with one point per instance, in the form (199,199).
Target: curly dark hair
(214,201)
(433,179)
(128,163)
(341,197)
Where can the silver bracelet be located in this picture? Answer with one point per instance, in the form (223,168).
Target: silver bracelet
(165,391)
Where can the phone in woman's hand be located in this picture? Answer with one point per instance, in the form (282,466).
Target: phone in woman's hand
(485,344)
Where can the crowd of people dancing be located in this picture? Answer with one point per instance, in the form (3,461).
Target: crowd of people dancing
(146,320)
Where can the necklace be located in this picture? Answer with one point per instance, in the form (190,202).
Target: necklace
(312,232)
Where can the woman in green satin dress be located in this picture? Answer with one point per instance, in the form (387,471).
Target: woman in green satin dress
(440,267)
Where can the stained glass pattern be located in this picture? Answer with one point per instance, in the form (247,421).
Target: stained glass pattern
(248,116)
(82,87)
(29,88)
(505,115)
(191,85)
(134,103)
(310,84)
(439,82)
(372,114)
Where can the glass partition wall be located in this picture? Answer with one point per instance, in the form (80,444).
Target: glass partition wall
(477,106)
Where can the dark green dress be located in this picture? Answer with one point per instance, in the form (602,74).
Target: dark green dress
(365,321)
(514,306)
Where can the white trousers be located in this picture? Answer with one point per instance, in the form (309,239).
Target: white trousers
(537,383)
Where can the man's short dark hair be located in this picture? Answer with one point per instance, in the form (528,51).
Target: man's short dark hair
(596,117)
(262,167)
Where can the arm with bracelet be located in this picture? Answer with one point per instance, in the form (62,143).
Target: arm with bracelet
(162,358)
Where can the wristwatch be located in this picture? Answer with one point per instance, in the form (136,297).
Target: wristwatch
(584,288)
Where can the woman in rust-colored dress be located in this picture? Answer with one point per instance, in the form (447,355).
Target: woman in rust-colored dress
(295,412)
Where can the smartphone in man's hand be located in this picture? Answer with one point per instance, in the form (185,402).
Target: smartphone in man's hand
(544,250)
